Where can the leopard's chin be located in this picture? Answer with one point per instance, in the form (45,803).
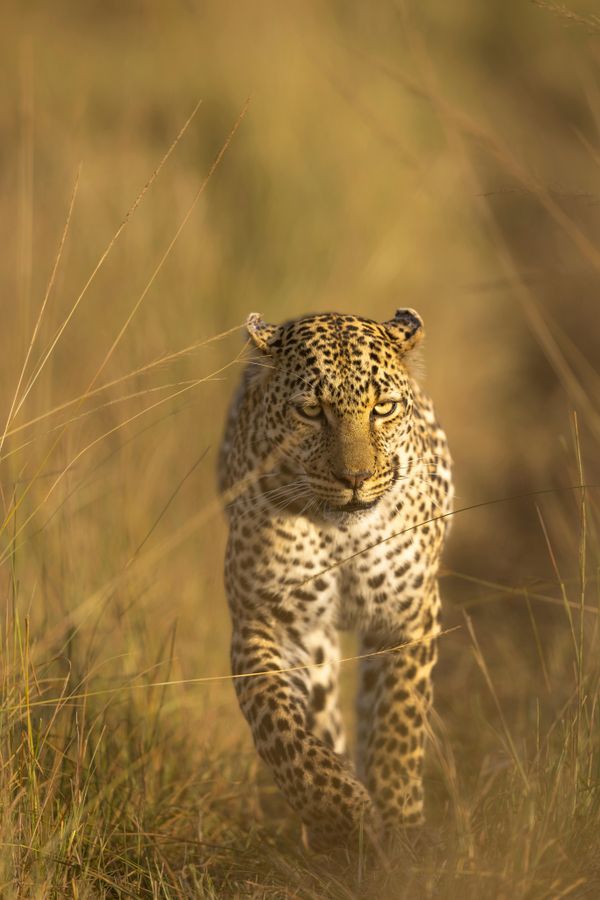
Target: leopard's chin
(348,512)
(356,505)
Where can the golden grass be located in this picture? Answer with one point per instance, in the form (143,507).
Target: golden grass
(428,156)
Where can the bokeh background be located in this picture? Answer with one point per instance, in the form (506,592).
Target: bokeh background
(443,156)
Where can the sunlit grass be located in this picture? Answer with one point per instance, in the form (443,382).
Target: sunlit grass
(368,171)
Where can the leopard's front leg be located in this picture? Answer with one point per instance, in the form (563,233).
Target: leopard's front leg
(318,783)
(395,696)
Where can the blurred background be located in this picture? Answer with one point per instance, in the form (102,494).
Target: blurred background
(439,156)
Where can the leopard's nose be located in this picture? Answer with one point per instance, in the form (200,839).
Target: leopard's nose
(353,479)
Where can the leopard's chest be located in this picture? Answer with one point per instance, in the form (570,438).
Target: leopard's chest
(383,563)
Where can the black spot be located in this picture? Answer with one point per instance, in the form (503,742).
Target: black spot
(299,685)
(376,581)
(318,698)
(299,594)
(278,753)
(267,723)
(284,615)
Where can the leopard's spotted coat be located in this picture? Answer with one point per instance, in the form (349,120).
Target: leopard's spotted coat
(332,452)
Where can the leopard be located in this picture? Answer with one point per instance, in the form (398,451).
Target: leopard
(337,483)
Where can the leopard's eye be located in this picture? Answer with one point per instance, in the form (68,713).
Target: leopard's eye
(385,409)
(310,411)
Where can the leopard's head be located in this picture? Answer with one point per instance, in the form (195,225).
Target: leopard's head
(335,398)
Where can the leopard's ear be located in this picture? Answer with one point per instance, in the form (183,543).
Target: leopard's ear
(260,332)
(406,328)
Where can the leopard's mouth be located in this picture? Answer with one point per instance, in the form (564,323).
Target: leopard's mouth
(352,506)
(356,505)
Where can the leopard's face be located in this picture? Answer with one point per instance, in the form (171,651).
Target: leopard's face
(337,403)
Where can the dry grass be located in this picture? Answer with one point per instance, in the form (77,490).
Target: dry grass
(425,155)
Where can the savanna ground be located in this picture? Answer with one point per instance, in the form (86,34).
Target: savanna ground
(436,155)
